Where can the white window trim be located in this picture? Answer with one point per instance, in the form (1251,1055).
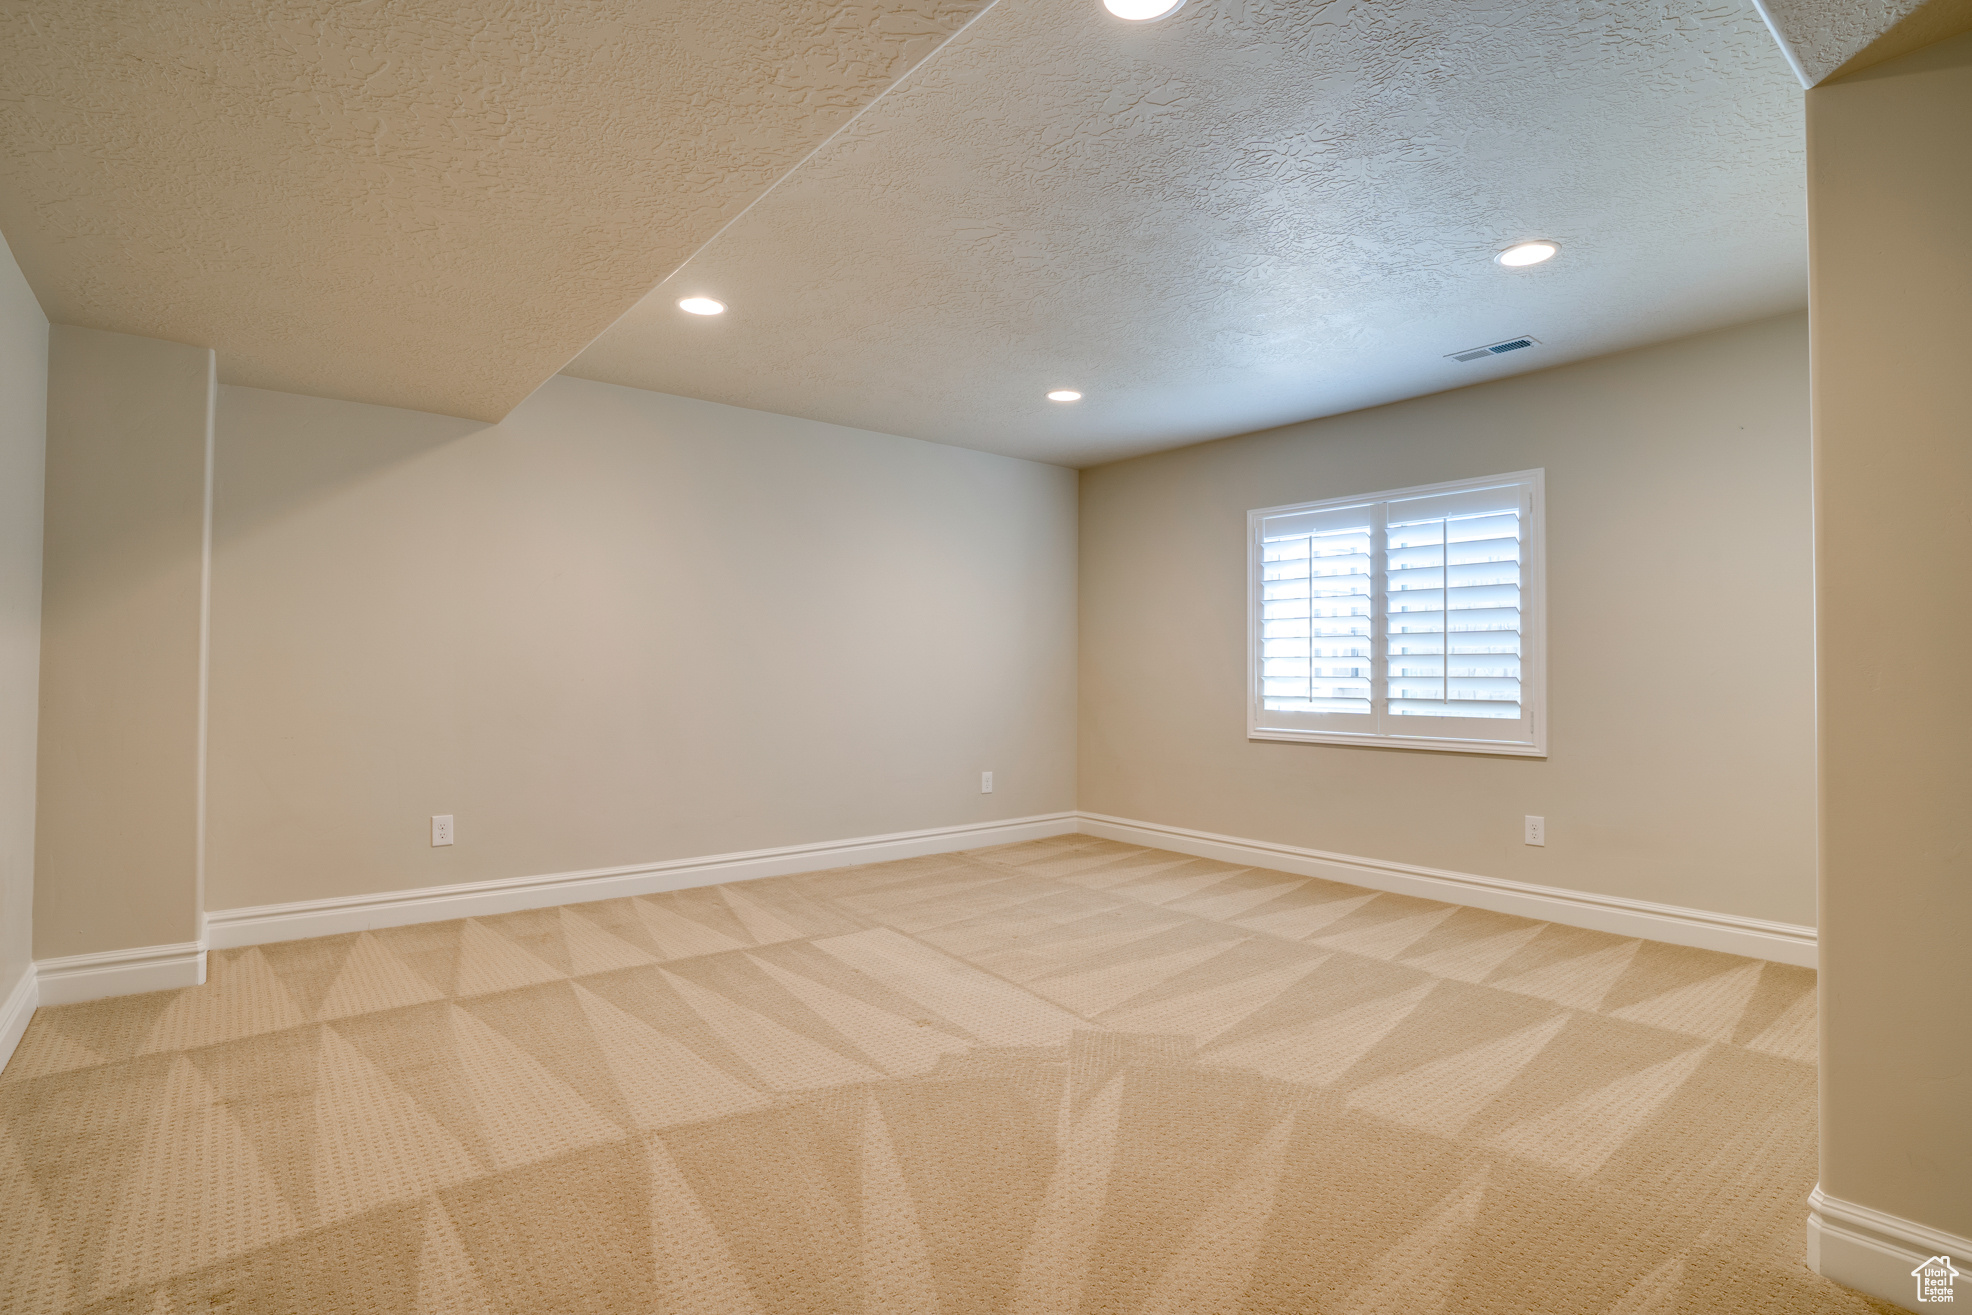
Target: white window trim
(1533,611)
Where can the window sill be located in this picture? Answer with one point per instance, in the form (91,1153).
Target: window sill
(1427,743)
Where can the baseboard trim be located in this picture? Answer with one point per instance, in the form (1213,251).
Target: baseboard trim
(154,968)
(1779,941)
(261,924)
(15,1012)
(82,977)
(1871,1251)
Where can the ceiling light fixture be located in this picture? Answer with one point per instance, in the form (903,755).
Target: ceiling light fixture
(1143,11)
(702,306)
(1064,395)
(1521,254)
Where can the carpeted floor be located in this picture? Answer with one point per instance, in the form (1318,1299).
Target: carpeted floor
(1071,1075)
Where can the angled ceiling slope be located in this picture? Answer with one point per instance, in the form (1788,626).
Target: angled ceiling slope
(431,204)
(1823,39)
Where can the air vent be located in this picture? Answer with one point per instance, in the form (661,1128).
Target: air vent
(1494,349)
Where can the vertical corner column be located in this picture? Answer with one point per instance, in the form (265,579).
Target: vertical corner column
(118,904)
(1890,224)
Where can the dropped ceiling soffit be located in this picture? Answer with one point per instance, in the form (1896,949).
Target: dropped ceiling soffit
(425,203)
(1826,39)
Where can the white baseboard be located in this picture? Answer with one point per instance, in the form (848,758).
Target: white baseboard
(15,1011)
(261,924)
(88,977)
(1781,942)
(1874,1252)
(82,977)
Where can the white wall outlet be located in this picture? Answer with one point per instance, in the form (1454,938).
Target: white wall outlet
(985,783)
(441,829)
(1537,830)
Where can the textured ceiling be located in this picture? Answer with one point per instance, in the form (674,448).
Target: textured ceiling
(1253,212)
(425,203)
(1825,38)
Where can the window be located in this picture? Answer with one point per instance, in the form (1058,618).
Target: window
(1411,618)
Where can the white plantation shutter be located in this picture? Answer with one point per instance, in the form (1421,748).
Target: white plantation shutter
(1316,600)
(1411,617)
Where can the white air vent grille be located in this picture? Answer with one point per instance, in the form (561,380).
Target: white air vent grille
(1495,349)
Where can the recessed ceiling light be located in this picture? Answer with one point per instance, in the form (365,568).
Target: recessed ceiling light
(1142,11)
(702,306)
(1064,395)
(1527,253)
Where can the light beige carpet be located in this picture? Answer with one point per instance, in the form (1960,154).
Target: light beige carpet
(1065,1076)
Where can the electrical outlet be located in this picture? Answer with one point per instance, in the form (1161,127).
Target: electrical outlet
(1537,830)
(985,783)
(441,829)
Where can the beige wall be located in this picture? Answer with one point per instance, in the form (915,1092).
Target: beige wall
(618,627)
(116,841)
(1890,197)
(23,435)
(1680,686)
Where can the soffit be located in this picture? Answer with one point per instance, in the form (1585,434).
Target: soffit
(425,203)
(1250,213)
(1825,39)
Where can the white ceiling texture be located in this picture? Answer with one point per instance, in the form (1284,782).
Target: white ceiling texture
(923,214)
(1249,213)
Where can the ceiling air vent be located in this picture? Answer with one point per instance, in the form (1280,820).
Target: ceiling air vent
(1494,349)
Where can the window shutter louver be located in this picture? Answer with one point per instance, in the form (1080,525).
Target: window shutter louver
(1316,629)
(1410,617)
